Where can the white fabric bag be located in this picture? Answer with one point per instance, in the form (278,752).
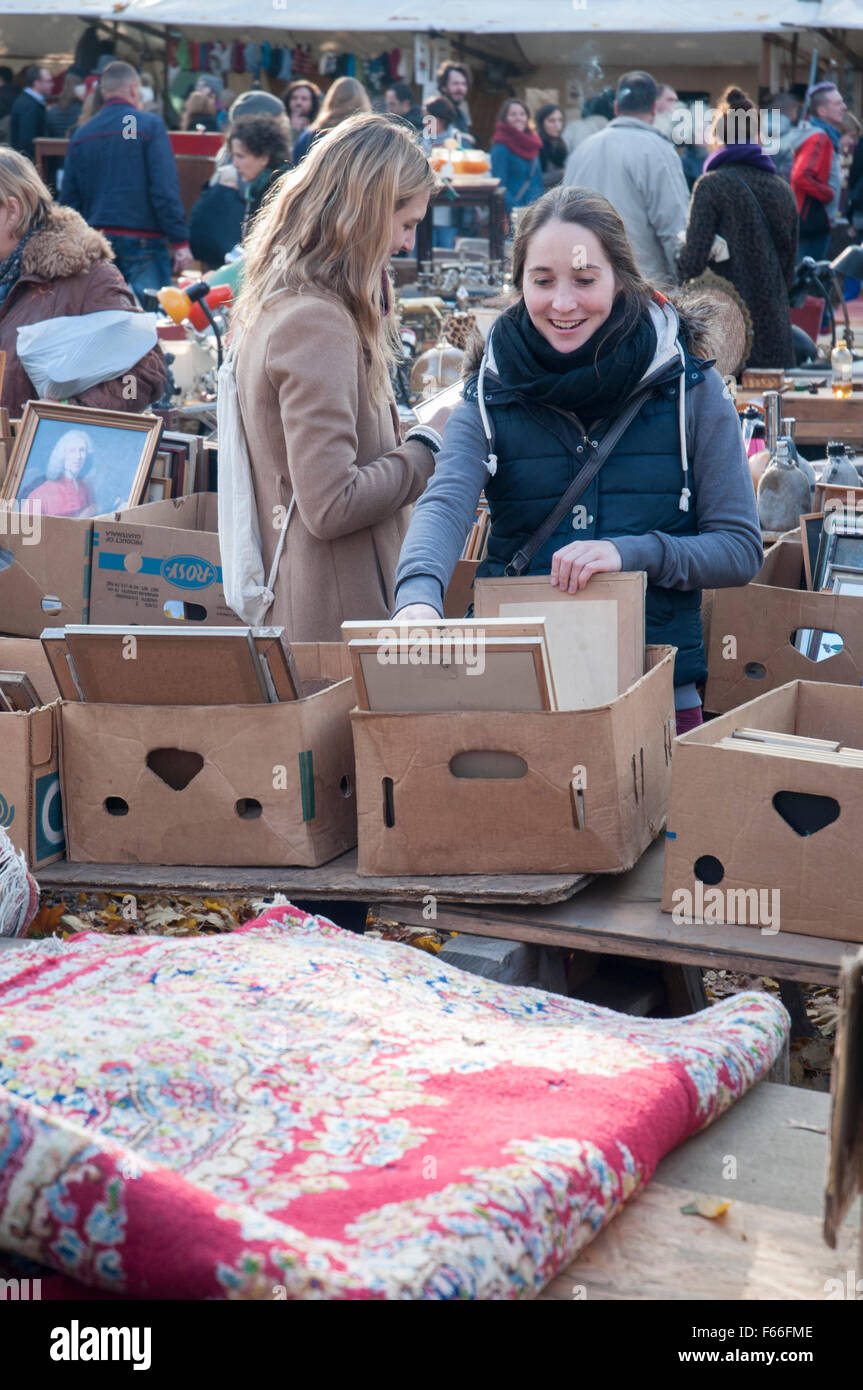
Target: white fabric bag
(239,530)
(66,356)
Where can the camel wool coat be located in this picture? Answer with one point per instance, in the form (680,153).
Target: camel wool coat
(313,432)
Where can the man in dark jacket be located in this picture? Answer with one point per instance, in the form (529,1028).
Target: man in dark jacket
(120,174)
(28,111)
(453,81)
(400,102)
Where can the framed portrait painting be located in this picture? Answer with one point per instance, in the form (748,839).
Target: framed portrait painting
(79,462)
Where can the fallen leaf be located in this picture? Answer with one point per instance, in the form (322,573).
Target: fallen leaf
(710,1207)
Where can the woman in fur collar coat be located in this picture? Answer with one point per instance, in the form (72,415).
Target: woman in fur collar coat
(52,265)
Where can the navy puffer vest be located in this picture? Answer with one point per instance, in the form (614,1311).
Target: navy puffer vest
(637,490)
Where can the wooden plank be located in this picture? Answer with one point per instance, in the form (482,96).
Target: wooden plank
(620,915)
(338,879)
(845,1161)
(652,1251)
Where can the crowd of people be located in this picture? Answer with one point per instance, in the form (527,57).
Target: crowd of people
(597,360)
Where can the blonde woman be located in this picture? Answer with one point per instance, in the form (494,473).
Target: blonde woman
(316,338)
(346,97)
(52,265)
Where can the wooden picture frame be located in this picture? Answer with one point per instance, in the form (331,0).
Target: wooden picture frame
(589,667)
(510,674)
(171,666)
(17,692)
(159,489)
(811,527)
(112,475)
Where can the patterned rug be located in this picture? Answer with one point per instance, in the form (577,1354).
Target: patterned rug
(293,1111)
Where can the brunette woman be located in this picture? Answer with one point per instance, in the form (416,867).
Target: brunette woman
(587,340)
(346,97)
(515,155)
(555,151)
(260,154)
(741,198)
(317,338)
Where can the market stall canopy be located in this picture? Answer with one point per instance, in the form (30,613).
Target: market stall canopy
(467,16)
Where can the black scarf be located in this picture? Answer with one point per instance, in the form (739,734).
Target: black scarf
(592,387)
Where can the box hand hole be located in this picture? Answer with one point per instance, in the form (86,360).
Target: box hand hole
(805,812)
(247,808)
(487,763)
(389,809)
(755,671)
(816,645)
(708,869)
(175,766)
(346,786)
(6,559)
(116,806)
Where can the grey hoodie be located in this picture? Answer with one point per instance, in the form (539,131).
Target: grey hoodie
(715,478)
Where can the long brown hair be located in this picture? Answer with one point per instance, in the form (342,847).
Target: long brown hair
(590,210)
(503,112)
(328,225)
(346,97)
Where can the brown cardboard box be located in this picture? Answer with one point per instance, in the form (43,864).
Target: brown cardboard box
(229,784)
(752,628)
(44,572)
(724,817)
(27,655)
(158,563)
(30,807)
(558,791)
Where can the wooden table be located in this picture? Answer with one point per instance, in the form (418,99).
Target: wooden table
(482,194)
(338,879)
(820,417)
(619,914)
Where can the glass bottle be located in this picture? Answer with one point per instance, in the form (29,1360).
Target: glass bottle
(783,492)
(840,470)
(841,371)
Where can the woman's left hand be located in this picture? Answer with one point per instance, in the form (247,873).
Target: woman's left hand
(572,566)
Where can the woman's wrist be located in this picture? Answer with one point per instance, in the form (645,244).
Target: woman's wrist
(424,434)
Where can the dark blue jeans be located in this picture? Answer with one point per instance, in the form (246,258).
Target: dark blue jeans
(145,265)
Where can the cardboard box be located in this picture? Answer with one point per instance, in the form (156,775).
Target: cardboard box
(158,563)
(561,791)
(228,784)
(44,572)
(27,655)
(752,629)
(459,594)
(727,831)
(30,806)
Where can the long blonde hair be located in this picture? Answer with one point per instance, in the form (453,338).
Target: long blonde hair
(346,97)
(328,225)
(19,180)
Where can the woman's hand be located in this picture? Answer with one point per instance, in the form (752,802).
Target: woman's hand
(572,566)
(439,419)
(417,613)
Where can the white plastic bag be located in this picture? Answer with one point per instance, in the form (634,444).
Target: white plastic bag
(66,356)
(239,530)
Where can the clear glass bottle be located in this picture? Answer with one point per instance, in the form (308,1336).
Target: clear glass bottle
(841,371)
(839,470)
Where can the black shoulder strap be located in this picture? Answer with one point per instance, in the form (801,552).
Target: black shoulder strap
(522,558)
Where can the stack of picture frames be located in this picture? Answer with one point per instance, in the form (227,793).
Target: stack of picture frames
(452,665)
(178,468)
(78,462)
(833,551)
(171,666)
(529,647)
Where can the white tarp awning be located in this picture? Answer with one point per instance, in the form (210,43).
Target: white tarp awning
(468,16)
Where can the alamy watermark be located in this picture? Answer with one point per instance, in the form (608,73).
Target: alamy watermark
(746,907)
(419,647)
